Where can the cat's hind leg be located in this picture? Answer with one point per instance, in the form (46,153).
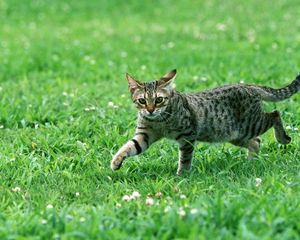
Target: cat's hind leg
(264,122)
(252,145)
(280,133)
(269,120)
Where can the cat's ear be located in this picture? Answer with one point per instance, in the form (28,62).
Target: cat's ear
(166,80)
(133,84)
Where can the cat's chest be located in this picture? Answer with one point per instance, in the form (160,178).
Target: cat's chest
(171,128)
(171,133)
(166,130)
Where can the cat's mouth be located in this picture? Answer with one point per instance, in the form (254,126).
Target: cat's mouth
(151,115)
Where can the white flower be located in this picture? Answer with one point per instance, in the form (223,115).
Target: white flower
(181,212)
(1,126)
(118,205)
(44,221)
(16,189)
(194,211)
(87,109)
(49,206)
(291,128)
(131,198)
(182,196)
(111,104)
(221,27)
(149,201)
(167,209)
(126,198)
(65,93)
(258,182)
(82,219)
(135,195)
(77,194)
(158,195)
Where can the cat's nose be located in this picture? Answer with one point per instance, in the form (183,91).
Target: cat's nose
(150,109)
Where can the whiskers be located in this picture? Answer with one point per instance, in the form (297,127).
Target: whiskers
(165,115)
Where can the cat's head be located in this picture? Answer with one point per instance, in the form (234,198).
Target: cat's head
(151,98)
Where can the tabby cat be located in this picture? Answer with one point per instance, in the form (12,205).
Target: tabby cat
(232,113)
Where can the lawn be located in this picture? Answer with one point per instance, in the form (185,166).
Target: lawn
(65,110)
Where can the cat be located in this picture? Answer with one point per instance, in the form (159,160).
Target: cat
(231,113)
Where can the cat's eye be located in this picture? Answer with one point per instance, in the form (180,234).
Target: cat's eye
(142,100)
(159,100)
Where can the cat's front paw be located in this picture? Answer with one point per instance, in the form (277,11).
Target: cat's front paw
(116,163)
(183,169)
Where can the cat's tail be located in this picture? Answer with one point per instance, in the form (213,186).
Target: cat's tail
(276,95)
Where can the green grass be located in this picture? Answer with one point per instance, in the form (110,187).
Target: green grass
(58,58)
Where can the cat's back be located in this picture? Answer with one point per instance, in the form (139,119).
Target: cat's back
(221,111)
(228,96)
(232,91)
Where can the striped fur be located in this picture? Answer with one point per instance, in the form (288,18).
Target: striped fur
(231,113)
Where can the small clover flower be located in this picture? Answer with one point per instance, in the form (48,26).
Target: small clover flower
(182,196)
(258,182)
(16,189)
(44,221)
(126,198)
(118,205)
(167,209)
(149,201)
(194,211)
(135,195)
(181,212)
(158,195)
(49,206)
(111,104)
